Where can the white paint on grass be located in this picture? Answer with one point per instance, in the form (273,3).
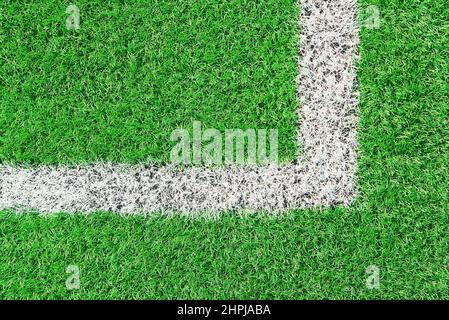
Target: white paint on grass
(323,176)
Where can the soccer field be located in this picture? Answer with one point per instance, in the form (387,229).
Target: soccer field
(135,71)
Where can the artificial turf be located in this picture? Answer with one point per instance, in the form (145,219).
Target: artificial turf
(399,221)
(115,89)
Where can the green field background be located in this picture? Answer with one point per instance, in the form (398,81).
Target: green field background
(137,70)
(398,223)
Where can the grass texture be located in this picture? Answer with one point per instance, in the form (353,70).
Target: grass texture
(136,70)
(399,222)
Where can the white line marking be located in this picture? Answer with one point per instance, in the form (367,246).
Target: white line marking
(324,177)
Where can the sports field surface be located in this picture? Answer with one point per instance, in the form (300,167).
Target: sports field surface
(68,97)
(136,70)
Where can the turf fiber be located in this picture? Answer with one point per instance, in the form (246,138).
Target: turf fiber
(399,221)
(136,70)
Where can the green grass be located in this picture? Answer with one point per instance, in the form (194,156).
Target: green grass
(399,222)
(136,70)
